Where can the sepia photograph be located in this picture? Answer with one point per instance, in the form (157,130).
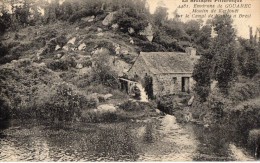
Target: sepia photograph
(129,80)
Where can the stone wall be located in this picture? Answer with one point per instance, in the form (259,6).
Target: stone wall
(170,83)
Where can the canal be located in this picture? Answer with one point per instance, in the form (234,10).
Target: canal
(151,139)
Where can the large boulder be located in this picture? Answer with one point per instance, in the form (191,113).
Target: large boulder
(106,108)
(100,51)
(115,26)
(57,47)
(79,66)
(41,52)
(124,51)
(100,34)
(72,41)
(131,40)
(59,55)
(131,30)
(148,32)
(88,18)
(99,29)
(191,101)
(108,19)
(66,48)
(82,46)
(108,96)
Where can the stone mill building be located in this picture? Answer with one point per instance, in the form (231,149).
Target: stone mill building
(171,71)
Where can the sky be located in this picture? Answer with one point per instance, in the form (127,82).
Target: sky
(241,24)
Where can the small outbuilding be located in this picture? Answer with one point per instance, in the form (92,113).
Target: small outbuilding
(171,72)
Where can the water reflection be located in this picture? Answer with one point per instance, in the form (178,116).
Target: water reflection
(110,142)
(158,139)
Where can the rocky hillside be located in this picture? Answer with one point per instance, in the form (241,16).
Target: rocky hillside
(80,43)
(78,63)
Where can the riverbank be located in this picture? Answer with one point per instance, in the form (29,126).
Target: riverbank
(238,113)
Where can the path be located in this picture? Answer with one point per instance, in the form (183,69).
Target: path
(177,143)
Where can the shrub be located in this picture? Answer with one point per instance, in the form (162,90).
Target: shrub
(128,17)
(63,102)
(97,117)
(83,13)
(135,106)
(245,116)
(241,91)
(3,51)
(62,64)
(4,109)
(22,82)
(102,72)
(61,40)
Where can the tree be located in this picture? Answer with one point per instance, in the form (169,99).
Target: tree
(160,15)
(22,13)
(131,17)
(248,58)
(223,52)
(203,40)
(5,21)
(201,75)
(192,28)
(103,74)
(148,86)
(66,10)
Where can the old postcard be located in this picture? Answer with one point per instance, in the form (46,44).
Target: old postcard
(129,80)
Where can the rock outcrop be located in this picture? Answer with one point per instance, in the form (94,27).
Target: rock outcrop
(82,46)
(148,32)
(108,19)
(88,18)
(106,108)
(72,41)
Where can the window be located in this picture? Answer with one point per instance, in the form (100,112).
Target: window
(174,79)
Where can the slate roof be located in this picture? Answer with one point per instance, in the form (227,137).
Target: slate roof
(167,62)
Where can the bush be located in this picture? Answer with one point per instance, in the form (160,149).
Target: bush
(4,109)
(245,116)
(62,64)
(248,89)
(128,17)
(97,117)
(3,50)
(22,83)
(135,106)
(84,13)
(102,73)
(147,46)
(64,102)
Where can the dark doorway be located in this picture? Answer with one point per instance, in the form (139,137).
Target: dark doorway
(185,83)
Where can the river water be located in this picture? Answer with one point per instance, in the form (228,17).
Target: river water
(152,139)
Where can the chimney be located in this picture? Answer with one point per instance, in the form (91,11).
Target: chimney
(191,51)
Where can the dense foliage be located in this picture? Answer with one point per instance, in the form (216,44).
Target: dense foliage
(224,59)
